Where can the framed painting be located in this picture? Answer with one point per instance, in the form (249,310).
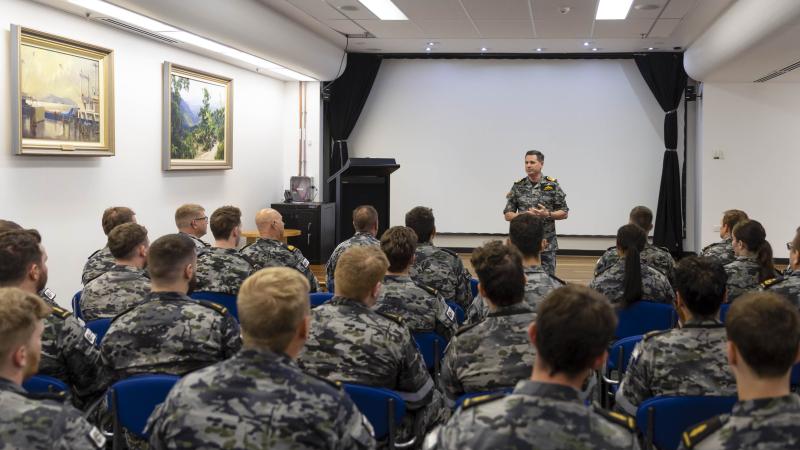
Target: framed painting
(62,95)
(198,118)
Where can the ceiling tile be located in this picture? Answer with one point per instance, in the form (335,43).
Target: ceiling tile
(392,28)
(664,28)
(447,29)
(499,29)
(677,9)
(551,23)
(318,9)
(629,28)
(345,26)
(552,8)
(497,9)
(646,13)
(432,9)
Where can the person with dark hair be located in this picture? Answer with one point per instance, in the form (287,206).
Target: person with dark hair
(126,284)
(571,336)
(689,360)
(222,268)
(788,284)
(723,250)
(763,343)
(540,196)
(753,264)
(655,257)
(101,261)
(419,305)
(192,222)
(365,222)
(628,280)
(495,353)
(434,266)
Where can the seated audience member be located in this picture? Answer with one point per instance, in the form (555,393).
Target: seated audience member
(434,266)
(689,360)
(125,285)
(418,305)
(723,250)
(270,251)
(222,268)
(788,285)
(29,421)
(352,343)
(628,281)
(170,332)
(495,353)
(753,263)
(68,350)
(365,222)
(192,222)
(102,260)
(571,335)
(763,336)
(276,403)
(526,232)
(655,257)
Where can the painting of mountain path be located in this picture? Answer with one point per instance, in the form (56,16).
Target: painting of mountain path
(197,119)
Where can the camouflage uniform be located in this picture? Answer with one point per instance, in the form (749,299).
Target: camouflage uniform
(764,423)
(98,263)
(525,194)
(170,333)
(360,238)
(684,361)
(257,399)
(742,276)
(30,421)
(490,355)
(200,245)
(113,292)
(656,257)
(787,286)
(222,270)
(655,285)
(272,253)
(538,284)
(420,306)
(535,416)
(722,251)
(442,270)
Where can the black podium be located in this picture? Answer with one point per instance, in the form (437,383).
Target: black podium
(361,181)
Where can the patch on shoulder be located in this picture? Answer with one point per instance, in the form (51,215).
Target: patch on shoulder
(393,317)
(97,437)
(701,431)
(617,418)
(427,288)
(481,399)
(466,328)
(549,187)
(766,284)
(215,306)
(60,312)
(551,179)
(654,334)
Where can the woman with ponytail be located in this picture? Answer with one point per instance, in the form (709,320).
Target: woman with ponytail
(753,264)
(628,280)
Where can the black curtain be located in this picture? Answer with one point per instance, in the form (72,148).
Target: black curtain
(666,78)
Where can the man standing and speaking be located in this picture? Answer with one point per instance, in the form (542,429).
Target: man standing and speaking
(540,196)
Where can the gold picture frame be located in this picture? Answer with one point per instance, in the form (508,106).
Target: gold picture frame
(198,119)
(63,95)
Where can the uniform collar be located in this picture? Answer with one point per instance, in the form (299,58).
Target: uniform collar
(226,251)
(766,406)
(338,300)
(510,310)
(703,323)
(547,390)
(269,241)
(125,268)
(534,269)
(263,357)
(10,386)
(425,244)
(398,278)
(169,296)
(745,258)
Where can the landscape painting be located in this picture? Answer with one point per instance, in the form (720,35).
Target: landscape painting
(197,131)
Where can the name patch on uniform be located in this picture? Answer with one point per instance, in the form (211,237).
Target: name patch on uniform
(97,437)
(451,314)
(548,188)
(90,336)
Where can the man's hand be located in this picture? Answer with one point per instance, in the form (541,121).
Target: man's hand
(539,211)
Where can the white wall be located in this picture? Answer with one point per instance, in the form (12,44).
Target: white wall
(64,196)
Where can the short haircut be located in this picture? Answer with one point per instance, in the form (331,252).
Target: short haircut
(701,283)
(272,303)
(500,272)
(526,232)
(539,155)
(116,215)
(8,225)
(574,326)
(399,245)
(765,328)
(642,216)
(19,249)
(19,312)
(420,219)
(733,216)
(364,218)
(123,239)
(223,220)
(358,270)
(168,255)
(186,213)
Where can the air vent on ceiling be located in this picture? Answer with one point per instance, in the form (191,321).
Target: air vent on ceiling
(778,72)
(137,30)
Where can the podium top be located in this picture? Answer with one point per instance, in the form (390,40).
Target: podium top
(380,167)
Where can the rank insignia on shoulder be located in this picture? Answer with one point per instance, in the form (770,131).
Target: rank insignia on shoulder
(548,188)
(60,312)
(481,399)
(701,431)
(291,248)
(551,179)
(653,334)
(393,317)
(771,281)
(215,306)
(618,418)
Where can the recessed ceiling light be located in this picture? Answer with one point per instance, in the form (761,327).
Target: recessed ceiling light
(384,9)
(427,49)
(484,49)
(613,9)
(349,8)
(594,49)
(586,44)
(539,49)
(651,48)
(431,44)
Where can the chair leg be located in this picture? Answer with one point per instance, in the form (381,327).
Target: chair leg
(390,415)
(117,427)
(651,412)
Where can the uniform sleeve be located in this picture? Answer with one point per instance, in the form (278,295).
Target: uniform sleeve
(560,200)
(512,205)
(155,426)
(87,369)
(477,311)
(448,379)
(73,431)
(446,325)
(463,289)
(414,383)
(355,431)
(603,262)
(231,336)
(635,386)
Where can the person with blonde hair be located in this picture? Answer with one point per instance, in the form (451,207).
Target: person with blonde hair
(192,222)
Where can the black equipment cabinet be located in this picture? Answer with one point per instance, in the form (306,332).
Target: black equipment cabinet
(317,225)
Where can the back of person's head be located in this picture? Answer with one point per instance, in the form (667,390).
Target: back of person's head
(168,256)
(420,219)
(642,216)
(116,215)
(526,232)
(632,239)
(19,313)
(19,250)
(500,272)
(365,218)
(358,270)
(223,221)
(539,155)
(752,234)
(399,245)
(272,304)
(732,217)
(765,328)
(186,213)
(574,326)
(700,282)
(8,225)
(124,239)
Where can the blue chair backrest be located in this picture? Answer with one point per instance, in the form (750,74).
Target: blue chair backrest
(43,384)
(134,399)
(319,298)
(643,317)
(99,327)
(723,312)
(473,284)
(383,407)
(620,353)
(76,305)
(461,399)
(458,310)
(663,420)
(226,300)
(429,343)
(795,378)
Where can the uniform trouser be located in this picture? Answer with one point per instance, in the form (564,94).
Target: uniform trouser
(549,262)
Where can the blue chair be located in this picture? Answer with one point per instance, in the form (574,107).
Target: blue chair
(618,356)
(460,316)
(662,420)
(460,400)
(134,399)
(99,327)
(226,300)
(643,317)
(795,377)
(383,408)
(473,284)
(431,346)
(319,298)
(723,312)
(76,305)
(43,384)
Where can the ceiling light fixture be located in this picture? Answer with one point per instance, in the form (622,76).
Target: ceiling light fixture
(431,44)
(124,15)
(538,49)
(650,48)
(384,9)
(613,9)
(586,44)
(594,49)
(484,49)
(427,49)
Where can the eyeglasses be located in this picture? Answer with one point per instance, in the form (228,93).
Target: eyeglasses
(204,218)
